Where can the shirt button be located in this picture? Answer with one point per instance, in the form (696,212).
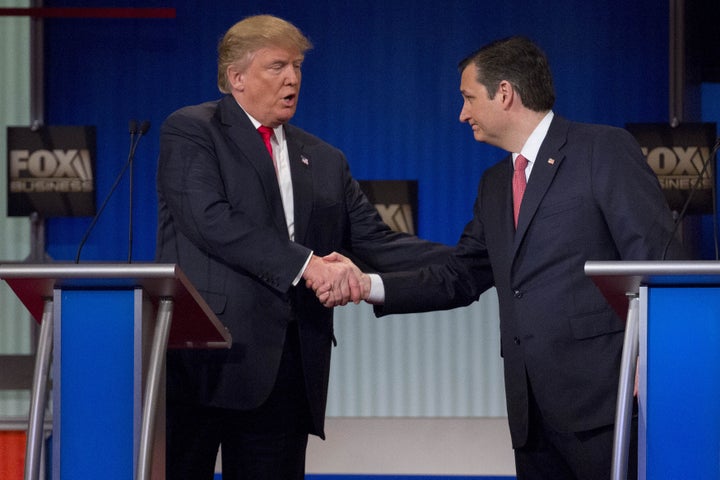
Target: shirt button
(518,294)
(516,340)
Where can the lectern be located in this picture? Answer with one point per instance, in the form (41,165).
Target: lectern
(105,328)
(673,336)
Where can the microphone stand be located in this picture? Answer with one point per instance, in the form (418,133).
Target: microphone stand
(133,145)
(694,188)
(144,127)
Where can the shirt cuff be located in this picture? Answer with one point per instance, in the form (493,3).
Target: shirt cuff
(377,290)
(302,270)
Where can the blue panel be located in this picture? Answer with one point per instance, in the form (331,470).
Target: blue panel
(683,390)
(381,84)
(97,384)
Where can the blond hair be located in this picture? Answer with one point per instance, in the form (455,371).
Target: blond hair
(251,34)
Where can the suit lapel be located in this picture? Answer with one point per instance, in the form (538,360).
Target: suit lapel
(546,166)
(504,187)
(243,135)
(301,172)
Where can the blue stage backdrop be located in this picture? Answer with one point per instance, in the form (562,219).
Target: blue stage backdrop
(381,84)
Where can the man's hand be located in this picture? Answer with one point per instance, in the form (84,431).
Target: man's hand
(336,280)
(325,296)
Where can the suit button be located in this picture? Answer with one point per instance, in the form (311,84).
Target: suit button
(518,294)
(516,340)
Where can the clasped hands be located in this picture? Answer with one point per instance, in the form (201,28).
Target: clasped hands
(336,280)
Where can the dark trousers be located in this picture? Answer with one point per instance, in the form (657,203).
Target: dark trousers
(267,443)
(552,455)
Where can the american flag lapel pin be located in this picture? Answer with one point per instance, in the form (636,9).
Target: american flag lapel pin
(305,160)
(551,161)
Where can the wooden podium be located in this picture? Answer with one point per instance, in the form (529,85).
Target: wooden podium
(105,329)
(673,336)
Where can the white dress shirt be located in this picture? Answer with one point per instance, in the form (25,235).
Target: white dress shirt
(282,162)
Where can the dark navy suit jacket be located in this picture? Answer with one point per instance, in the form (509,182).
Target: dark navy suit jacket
(221,219)
(590,196)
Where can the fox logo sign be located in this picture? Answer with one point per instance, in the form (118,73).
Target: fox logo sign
(396,201)
(680,167)
(680,157)
(51,171)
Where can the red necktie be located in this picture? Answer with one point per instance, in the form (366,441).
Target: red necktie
(266,133)
(518,184)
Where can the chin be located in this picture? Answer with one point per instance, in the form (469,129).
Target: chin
(285,116)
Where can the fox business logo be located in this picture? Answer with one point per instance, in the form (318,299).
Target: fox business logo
(679,167)
(398,217)
(62,171)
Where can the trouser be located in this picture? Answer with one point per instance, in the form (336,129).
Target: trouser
(552,455)
(266,443)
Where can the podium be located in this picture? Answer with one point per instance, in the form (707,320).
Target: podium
(673,336)
(105,329)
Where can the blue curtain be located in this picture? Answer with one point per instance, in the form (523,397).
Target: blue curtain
(381,84)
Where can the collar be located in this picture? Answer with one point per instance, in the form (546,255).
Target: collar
(532,144)
(279,131)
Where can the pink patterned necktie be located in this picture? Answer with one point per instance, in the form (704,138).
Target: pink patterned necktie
(518,184)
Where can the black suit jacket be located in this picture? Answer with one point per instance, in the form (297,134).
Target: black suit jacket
(221,219)
(590,196)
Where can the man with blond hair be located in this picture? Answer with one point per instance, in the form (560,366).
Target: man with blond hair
(248,206)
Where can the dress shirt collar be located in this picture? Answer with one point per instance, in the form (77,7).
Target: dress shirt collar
(532,144)
(279,131)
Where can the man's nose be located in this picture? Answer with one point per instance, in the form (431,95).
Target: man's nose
(464,117)
(292,77)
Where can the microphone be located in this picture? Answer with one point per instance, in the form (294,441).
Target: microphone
(693,189)
(133,129)
(142,130)
(136,134)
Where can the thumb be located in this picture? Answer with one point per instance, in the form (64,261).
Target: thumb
(334,257)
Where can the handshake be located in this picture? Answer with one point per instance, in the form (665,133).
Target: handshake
(336,280)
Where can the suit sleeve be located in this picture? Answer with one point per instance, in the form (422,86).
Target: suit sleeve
(629,194)
(457,281)
(375,246)
(192,194)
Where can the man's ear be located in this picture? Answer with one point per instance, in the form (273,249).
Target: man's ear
(236,78)
(506,92)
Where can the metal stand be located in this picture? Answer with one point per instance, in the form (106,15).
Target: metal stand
(81,306)
(626,387)
(39,395)
(153,387)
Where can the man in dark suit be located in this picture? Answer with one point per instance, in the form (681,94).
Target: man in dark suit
(248,215)
(589,195)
